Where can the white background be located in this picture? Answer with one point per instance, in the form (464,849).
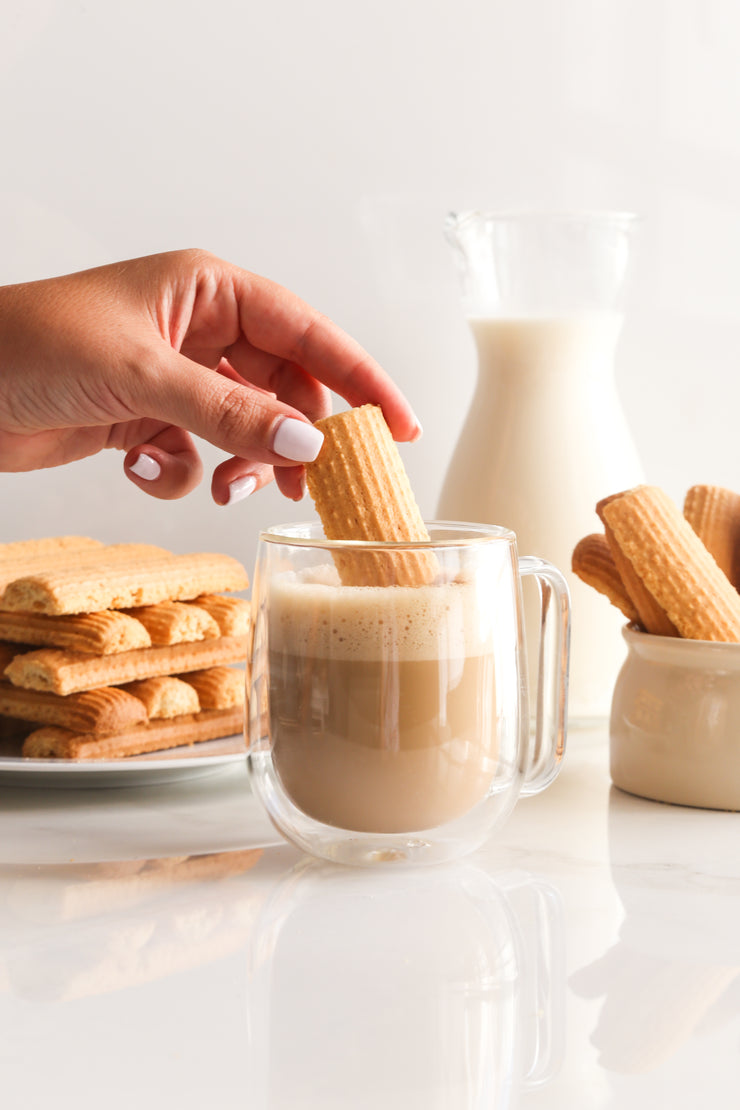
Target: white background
(322,144)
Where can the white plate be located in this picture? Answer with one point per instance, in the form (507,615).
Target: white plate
(140,770)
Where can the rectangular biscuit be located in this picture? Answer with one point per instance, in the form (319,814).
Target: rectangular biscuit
(124,584)
(231,614)
(75,562)
(165,696)
(41,549)
(361,492)
(59,743)
(218,687)
(99,711)
(97,633)
(69,672)
(176,622)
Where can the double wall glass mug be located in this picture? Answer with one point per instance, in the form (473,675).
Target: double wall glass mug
(391,723)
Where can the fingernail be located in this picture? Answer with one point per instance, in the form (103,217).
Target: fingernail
(297,440)
(418,433)
(241,488)
(146,467)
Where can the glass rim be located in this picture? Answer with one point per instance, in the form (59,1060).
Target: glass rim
(467,535)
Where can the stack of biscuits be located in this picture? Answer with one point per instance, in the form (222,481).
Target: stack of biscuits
(671,573)
(108,651)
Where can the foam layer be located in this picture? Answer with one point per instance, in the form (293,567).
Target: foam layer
(313,615)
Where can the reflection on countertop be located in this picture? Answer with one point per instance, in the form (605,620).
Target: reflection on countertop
(675,967)
(161,946)
(89,929)
(444,987)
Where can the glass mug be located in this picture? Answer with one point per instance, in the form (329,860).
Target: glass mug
(391,722)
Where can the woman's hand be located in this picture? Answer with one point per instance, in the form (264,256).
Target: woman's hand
(139,354)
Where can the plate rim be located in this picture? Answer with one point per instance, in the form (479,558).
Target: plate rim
(127,765)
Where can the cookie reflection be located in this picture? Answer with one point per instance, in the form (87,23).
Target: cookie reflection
(675,968)
(99,928)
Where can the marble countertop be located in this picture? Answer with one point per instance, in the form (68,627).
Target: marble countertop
(161,947)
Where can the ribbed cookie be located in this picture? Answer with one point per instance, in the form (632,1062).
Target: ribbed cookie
(714,514)
(361,492)
(100,711)
(98,633)
(218,687)
(165,697)
(653,617)
(594,564)
(67,672)
(59,743)
(674,565)
(85,561)
(231,614)
(176,622)
(125,584)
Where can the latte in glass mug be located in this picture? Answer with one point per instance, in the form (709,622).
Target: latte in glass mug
(382,702)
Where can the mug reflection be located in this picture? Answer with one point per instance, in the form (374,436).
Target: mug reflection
(451,1003)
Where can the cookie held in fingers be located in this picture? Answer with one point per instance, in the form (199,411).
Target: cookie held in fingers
(594,564)
(361,491)
(672,564)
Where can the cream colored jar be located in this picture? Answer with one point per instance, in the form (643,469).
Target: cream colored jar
(675,721)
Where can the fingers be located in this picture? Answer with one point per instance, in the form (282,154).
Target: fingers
(275,320)
(245,422)
(237,479)
(166,466)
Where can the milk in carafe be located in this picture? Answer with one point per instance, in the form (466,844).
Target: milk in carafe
(546,437)
(545,440)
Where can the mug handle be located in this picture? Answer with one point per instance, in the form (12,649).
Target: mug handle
(552,678)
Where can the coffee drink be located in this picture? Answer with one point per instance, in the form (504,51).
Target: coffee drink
(382,701)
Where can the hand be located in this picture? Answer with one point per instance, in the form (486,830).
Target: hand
(139,354)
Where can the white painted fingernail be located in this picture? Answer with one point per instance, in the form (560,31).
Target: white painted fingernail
(241,488)
(146,467)
(297,440)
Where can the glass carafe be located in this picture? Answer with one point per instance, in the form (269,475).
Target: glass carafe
(546,436)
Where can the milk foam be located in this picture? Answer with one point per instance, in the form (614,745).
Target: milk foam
(312,614)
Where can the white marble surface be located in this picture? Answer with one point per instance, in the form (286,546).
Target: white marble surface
(587,958)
